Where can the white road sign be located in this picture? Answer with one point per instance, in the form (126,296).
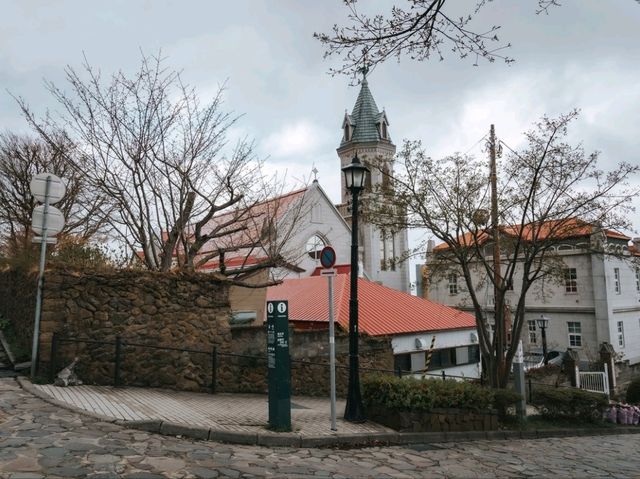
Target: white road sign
(38,187)
(55,220)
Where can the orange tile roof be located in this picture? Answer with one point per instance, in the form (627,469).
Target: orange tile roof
(252,218)
(382,311)
(560,229)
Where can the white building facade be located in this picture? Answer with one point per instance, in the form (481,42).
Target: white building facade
(455,352)
(596,301)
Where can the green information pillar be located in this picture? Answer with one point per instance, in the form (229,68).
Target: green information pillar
(279,368)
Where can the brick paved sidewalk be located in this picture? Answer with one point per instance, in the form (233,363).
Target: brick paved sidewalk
(238,417)
(242,418)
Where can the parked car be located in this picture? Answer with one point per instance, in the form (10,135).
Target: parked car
(535,359)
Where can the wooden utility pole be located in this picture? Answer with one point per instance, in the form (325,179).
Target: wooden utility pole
(501,332)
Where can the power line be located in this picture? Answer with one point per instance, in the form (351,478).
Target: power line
(476,144)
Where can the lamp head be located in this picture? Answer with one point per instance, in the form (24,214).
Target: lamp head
(355,175)
(542,321)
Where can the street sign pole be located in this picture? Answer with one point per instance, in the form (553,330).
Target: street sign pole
(43,255)
(328,260)
(332,356)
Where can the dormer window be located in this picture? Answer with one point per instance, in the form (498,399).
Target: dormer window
(347,132)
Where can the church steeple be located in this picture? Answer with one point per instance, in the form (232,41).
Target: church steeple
(366,134)
(366,123)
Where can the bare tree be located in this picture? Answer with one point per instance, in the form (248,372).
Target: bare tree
(21,158)
(548,192)
(423,30)
(157,152)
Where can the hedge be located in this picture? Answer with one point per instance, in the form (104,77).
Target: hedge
(573,403)
(633,392)
(412,394)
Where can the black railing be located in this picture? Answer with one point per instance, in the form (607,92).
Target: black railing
(120,344)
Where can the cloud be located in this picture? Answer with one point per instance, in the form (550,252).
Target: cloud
(297,138)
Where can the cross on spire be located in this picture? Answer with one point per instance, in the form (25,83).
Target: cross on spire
(364,69)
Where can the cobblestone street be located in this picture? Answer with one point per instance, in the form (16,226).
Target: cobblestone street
(38,439)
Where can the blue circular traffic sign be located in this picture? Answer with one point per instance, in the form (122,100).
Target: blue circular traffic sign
(327,257)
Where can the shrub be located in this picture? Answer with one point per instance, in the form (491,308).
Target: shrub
(633,391)
(412,394)
(570,403)
(503,399)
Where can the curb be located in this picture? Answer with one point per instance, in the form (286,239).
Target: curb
(31,389)
(271,439)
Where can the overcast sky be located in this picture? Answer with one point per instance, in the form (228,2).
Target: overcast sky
(584,54)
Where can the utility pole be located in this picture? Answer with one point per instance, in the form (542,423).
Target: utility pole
(501,330)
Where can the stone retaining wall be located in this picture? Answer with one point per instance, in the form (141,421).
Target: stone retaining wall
(249,375)
(171,309)
(18,304)
(436,420)
(187,311)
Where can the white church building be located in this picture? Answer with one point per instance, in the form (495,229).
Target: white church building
(322,223)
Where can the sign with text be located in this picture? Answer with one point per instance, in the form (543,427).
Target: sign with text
(278,366)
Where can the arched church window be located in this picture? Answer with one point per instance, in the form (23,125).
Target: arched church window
(385,176)
(315,245)
(367,179)
(347,132)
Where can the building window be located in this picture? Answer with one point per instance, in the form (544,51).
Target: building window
(314,246)
(347,132)
(533,338)
(387,251)
(391,249)
(448,357)
(638,280)
(621,334)
(383,252)
(453,283)
(616,280)
(570,280)
(402,362)
(575,334)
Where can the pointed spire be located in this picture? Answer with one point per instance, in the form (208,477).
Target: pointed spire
(365,115)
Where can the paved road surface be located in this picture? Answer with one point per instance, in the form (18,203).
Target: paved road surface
(38,440)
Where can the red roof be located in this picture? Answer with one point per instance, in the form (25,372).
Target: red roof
(557,229)
(382,311)
(252,219)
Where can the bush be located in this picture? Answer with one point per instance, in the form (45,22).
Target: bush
(570,403)
(503,399)
(633,392)
(412,394)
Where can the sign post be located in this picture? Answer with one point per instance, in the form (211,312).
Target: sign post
(328,260)
(46,221)
(278,364)
(518,379)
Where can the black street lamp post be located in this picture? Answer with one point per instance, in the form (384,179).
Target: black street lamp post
(354,175)
(543,322)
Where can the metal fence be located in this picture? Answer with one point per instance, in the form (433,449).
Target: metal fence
(118,347)
(597,382)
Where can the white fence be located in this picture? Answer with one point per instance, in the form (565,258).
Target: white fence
(597,382)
